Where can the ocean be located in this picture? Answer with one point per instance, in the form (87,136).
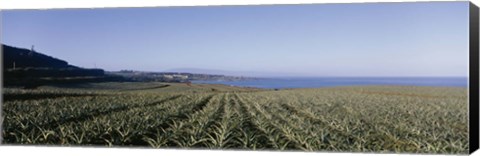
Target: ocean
(272,83)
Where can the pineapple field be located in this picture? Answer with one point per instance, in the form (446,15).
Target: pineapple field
(391,119)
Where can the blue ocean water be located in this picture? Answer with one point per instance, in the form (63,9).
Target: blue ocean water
(271,83)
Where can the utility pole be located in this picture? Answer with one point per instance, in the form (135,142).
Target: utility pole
(13,65)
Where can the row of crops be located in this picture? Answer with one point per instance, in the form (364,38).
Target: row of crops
(356,119)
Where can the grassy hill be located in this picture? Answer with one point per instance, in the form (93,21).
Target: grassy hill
(27,68)
(22,58)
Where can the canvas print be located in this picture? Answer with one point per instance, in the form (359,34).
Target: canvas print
(365,77)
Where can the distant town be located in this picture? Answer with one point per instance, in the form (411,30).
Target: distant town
(174,76)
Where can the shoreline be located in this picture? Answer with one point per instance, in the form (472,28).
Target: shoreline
(334,86)
(139,86)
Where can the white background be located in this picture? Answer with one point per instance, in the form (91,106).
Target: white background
(73,151)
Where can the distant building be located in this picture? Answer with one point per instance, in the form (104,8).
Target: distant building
(168,76)
(180,76)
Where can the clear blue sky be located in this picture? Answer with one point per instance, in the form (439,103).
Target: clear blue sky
(370,39)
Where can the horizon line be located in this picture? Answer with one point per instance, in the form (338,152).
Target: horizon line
(332,76)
